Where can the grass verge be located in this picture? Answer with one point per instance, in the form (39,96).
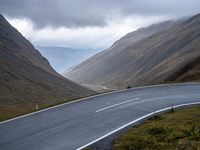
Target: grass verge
(173,130)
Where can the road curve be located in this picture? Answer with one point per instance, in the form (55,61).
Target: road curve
(74,125)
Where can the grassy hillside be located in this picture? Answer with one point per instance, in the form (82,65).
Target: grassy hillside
(26,76)
(189,73)
(159,57)
(173,130)
(101,68)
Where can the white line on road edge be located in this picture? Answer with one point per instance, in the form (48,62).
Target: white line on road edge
(93,96)
(134,121)
(118,104)
(67,103)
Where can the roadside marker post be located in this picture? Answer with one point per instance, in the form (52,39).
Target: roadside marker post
(36,105)
(172,109)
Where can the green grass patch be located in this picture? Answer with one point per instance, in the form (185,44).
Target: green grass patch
(177,130)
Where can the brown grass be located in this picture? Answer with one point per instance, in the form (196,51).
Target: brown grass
(179,130)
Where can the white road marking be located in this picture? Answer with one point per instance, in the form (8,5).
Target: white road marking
(117,104)
(134,121)
(93,96)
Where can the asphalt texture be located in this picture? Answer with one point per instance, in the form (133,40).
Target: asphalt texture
(71,126)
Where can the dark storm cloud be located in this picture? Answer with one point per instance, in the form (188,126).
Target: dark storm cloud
(80,13)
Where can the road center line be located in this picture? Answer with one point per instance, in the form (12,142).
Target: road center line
(134,121)
(117,104)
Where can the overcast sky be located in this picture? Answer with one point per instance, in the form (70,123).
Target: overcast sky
(89,23)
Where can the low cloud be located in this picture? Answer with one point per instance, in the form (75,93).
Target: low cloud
(82,37)
(84,13)
(89,23)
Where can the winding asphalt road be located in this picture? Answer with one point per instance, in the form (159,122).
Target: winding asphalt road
(75,125)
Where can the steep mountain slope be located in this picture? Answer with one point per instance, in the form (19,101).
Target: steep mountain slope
(26,76)
(96,69)
(188,73)
(150,60)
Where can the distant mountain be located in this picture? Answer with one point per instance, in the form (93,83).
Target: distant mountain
(62,58)
(26,76)
(156,54)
